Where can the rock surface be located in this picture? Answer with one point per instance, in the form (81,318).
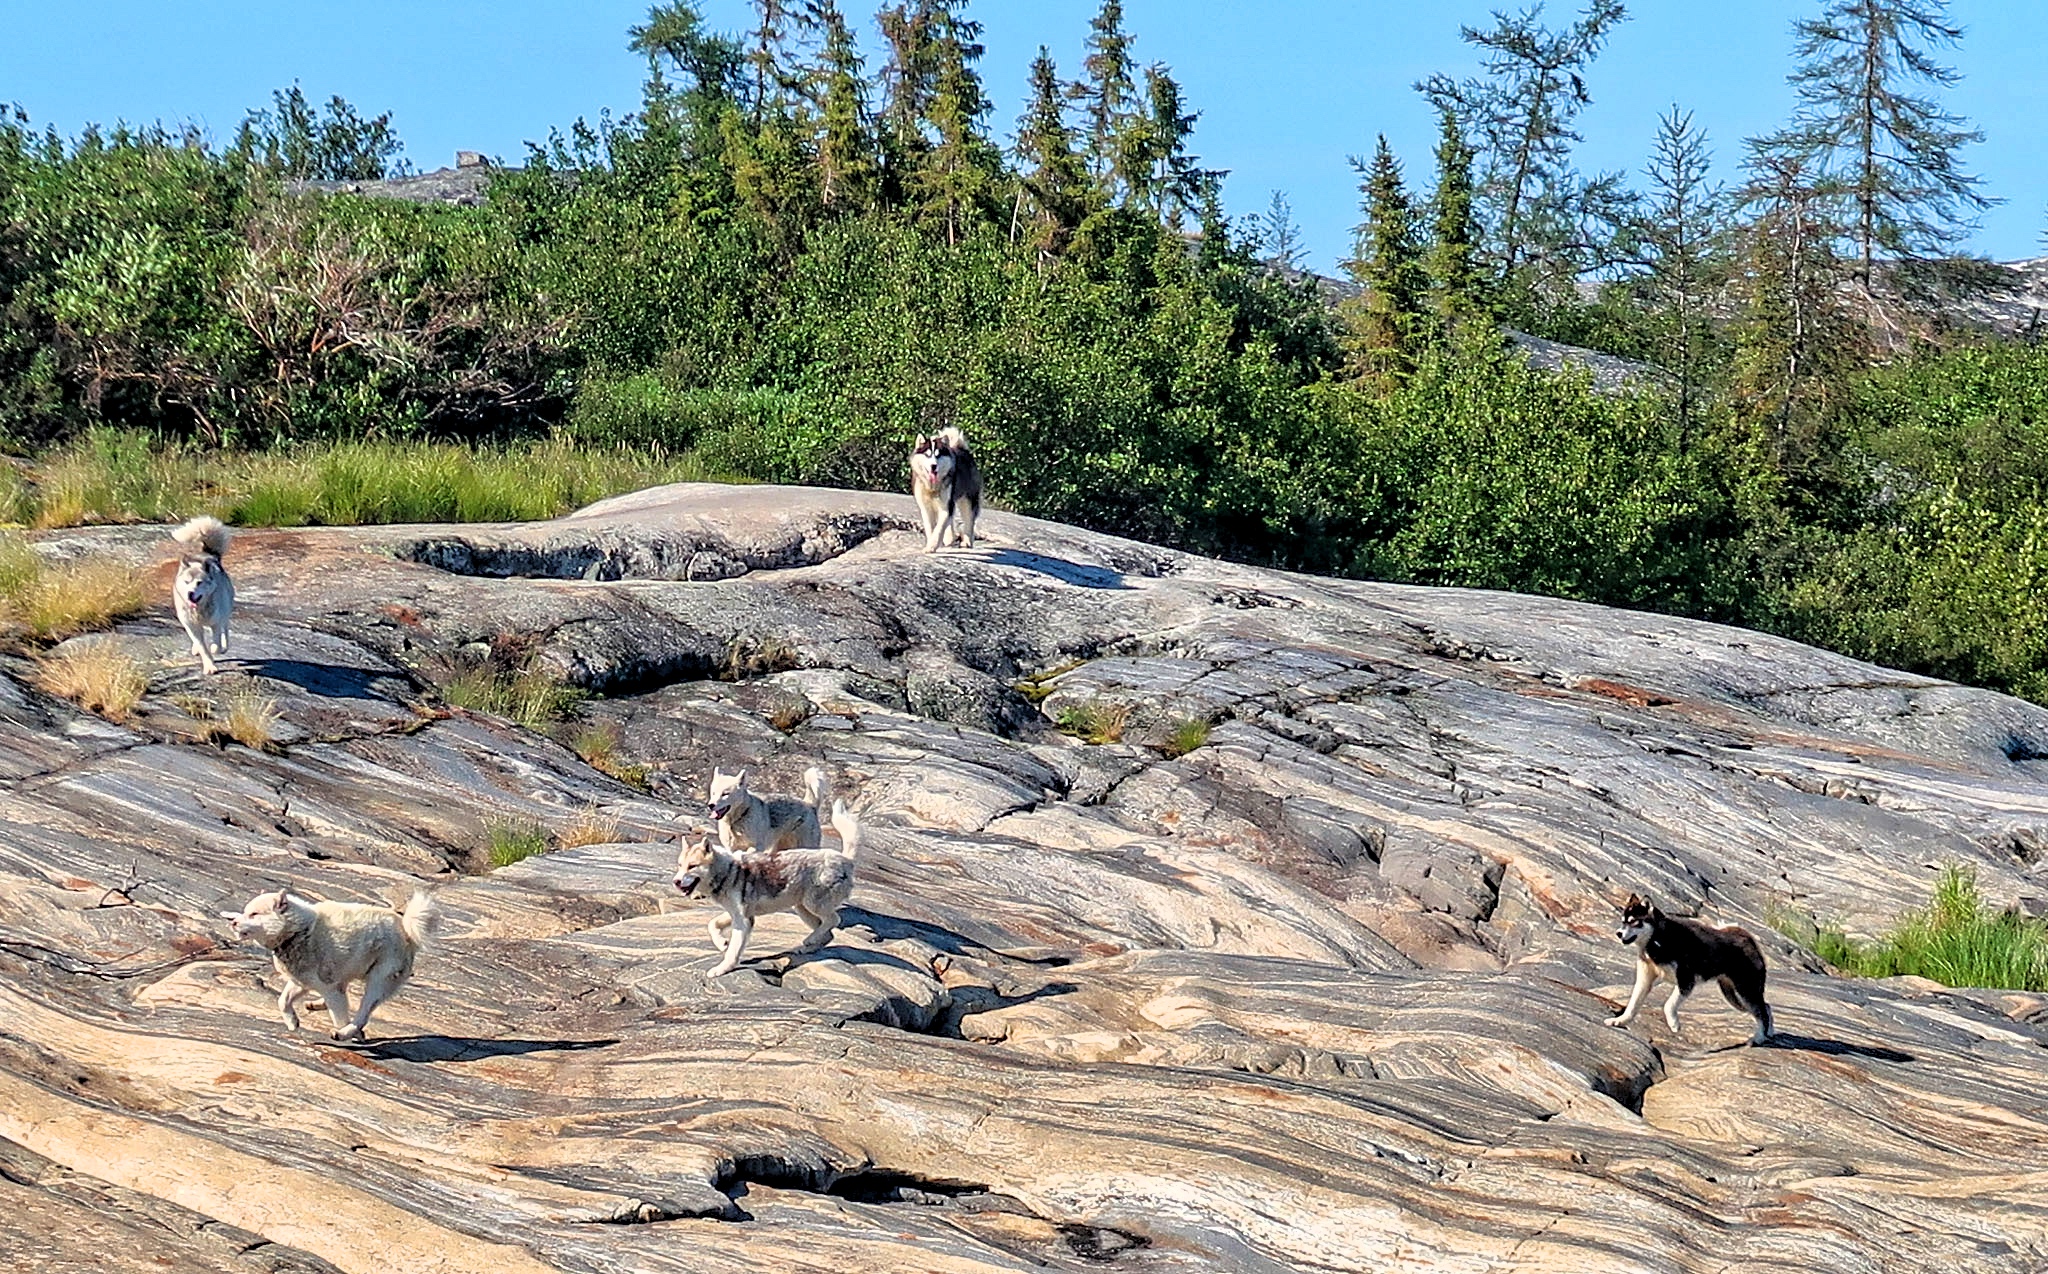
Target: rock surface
(1324,992)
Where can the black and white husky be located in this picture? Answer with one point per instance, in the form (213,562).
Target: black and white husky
(202,594)
(947,484)
(1689,953)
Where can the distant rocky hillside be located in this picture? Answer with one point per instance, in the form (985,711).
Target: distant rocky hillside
(1321,988)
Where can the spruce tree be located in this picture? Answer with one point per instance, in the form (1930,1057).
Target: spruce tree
(906,83)
(845,146)
(1680,226)
(1111,92)
(1448,266)
(1163,177)
(1892,155)
(1520,114)
(957,175)
(1053,188)
(1384,263)
(1280,236)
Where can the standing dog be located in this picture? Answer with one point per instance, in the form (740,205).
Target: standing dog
(947,484)
(324,946)
(202,594)
(1689,953)
(814,883)
(746,821)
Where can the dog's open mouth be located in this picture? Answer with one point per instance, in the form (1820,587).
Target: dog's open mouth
(687,883)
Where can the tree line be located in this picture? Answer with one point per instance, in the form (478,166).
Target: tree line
(787,261)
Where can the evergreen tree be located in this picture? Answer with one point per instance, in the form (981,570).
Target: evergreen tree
(1521,113)
(1448,265)
(1162,176)
(1385,263)
(1054,183)
(1111,92)
(1681,223)
(295,139)
(958,174)
(906,84)
(1280,236)
(845,146)
(676,31)
(1893,155)
(769,56)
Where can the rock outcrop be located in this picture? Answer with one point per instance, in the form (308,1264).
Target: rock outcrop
(1322,988)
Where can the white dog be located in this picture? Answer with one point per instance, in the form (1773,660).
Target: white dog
(814,883)
(202,594)
(324,946)
(746,821)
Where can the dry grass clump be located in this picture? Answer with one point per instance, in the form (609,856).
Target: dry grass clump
(526,695)
(249,719)
(98,676)
(595,827)
(49,601)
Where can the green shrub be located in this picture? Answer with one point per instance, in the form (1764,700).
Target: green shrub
(1957,940)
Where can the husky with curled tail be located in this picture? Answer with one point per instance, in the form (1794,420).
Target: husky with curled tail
(746,821)
(201,593)
(947,484)
(814,883)
(324,946)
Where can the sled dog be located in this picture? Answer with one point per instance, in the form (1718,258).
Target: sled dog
(1689,952)
(947,484)
(202,594)
(321,947)
(746,821)
(814,883)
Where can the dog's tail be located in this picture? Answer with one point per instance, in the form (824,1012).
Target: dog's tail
(847,824)
(816,789)
(206,535)
(952,438)
(419,920)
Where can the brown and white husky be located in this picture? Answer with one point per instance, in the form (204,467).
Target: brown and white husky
(947,484)
(814,883)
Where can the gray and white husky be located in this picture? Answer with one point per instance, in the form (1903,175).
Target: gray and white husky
(947,484)
(746,821)
(814,883)
(1689,952)
(202,594)
(324,946)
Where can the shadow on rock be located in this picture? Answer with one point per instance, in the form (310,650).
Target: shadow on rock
(1833,1048)
(329,681)
(1060,569)
(455,1048)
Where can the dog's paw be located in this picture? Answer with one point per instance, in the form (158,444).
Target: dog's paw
(349,1034)
(1619,1019)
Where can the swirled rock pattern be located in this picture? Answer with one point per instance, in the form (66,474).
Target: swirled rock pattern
(1321,987)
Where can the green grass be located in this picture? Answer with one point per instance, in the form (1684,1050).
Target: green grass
(122,476)
(1096,721)
(1956,940)
(1187,735)
(516,842)
(603,748)
(526,695)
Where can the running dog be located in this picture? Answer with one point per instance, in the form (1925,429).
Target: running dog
(323,946)
(746,821)
(947,484)
(1689,952)
(202,594)
(814,883)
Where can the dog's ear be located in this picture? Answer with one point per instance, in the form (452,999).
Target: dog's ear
(284,899)
(1656,914)
(740,778)
(1632,904)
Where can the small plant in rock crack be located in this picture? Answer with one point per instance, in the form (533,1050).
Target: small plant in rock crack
(513,842)
(1188,734)
(1096,721)
(747,658)
(788,711)
(507,684)
(1038,687)
(603,748)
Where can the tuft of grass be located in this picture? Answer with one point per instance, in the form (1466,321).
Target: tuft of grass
(515,842)
(97,675)
(525,695)
(49,601)
(603,749)
(249,719)
(747,659)
(1956,940)
(595,827)
(1097,721)
(1187,735)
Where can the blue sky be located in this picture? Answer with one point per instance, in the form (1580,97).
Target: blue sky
(1287,90)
